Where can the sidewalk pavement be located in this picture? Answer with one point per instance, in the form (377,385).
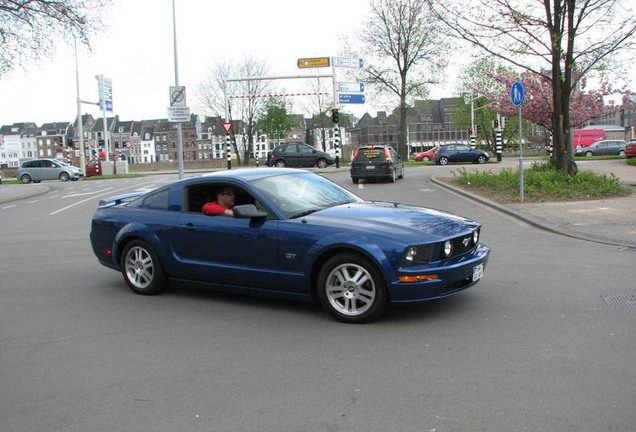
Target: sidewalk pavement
(608,221)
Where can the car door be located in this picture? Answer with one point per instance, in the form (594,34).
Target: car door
(602,148)
(47,170)
(463,153)
(291,155)
(226,250)
(307,155)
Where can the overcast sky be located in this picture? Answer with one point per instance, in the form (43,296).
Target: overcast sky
(136,52)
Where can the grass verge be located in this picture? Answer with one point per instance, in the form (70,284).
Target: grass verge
(542,183)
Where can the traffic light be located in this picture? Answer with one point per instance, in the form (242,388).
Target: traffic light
(470,131)
(102,142)
(334,115)
(495,124)
(70,143)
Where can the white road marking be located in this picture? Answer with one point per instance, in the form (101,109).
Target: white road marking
(360,186)
(88,199)
(86,193)
(7,207)
(31,202)
(53,197)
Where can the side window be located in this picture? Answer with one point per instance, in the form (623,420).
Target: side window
(462,148)
(306,149)
(291,148)
(157,201)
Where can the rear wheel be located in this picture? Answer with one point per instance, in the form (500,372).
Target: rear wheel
(426,158)
(401,173)
(355,180)
(443,160)
(142,269)
(64,176)
(25,178)
(392,178)
(588,153)
(621,152)
(351,289)
(280,163)
(322,163)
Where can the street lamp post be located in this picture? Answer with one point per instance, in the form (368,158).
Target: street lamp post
(176,83)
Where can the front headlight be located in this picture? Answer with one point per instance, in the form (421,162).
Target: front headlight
(448,248)
(417,255)
(475,237)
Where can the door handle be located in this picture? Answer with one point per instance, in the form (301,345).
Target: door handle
(189,227)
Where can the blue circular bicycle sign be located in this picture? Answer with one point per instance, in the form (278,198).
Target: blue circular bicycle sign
(517,93)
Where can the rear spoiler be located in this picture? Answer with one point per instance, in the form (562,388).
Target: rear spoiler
(120,199)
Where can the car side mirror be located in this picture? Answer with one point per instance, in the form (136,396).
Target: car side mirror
(248,211)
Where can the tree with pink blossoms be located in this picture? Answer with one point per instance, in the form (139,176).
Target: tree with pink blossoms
(556,41)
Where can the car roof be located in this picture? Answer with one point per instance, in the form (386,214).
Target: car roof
(252,173)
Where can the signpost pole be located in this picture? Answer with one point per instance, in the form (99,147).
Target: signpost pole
(520,158)
(335,105)
(176,83)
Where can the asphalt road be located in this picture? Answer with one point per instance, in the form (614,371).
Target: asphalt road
(533,347)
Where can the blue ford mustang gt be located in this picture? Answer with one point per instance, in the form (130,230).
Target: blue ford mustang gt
(294,234)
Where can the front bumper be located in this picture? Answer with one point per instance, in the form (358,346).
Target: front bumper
(453,276)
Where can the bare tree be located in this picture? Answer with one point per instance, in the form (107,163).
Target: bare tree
(318,106)
(30,29)
(560,40)
(403,48)
(245,97)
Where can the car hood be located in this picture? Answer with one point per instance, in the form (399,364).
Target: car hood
(395,220)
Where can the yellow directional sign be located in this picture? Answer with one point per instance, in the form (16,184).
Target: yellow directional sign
(313,62)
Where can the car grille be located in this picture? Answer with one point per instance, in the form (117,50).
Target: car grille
(460,245)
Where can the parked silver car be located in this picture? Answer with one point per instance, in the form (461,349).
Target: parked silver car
(37,170)
(599,148)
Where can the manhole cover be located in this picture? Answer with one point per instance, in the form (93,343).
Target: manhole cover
(623,301)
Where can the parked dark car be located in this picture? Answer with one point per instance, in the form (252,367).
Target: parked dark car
(298,155)
(603,148)
(459,153)
(294,234)
(630,149)
(37,170)
(376,161)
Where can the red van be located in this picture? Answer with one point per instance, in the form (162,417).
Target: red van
(586,137)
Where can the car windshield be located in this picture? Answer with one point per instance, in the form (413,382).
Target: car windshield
(375,154)
(300,194)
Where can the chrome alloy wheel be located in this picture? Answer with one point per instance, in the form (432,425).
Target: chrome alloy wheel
(350,289)
(139,267)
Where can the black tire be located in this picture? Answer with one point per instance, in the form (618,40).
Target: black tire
(142,269)
(37,181)
(401,176)
(426,158)
(350,301)
(393,176)
(355,180)
(26,179)
(443,160)
(64,176)
(322,163)
(588,153)
(280,163)
(481,159)
(621,152)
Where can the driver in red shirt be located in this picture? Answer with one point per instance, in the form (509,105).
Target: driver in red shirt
(223,204)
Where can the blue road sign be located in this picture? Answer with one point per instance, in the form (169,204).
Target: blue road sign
(517,94)
(351,98)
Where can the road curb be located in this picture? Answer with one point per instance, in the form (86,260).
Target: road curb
(546,226)
(27,191)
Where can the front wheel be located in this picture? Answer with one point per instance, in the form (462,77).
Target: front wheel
(443,160)
(142,269)
(322,163)
(64,176)
(351,289)
(589,153)
(426,158)
(25,178)
(481,159)
(280,163)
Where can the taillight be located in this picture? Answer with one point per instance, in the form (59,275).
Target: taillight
(387,155)
(355,156)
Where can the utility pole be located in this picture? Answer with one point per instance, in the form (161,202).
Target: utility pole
(176,83)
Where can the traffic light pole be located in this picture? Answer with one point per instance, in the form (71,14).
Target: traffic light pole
(335,113)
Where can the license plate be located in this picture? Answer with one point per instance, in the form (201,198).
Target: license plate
(478,272)
(370,167)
